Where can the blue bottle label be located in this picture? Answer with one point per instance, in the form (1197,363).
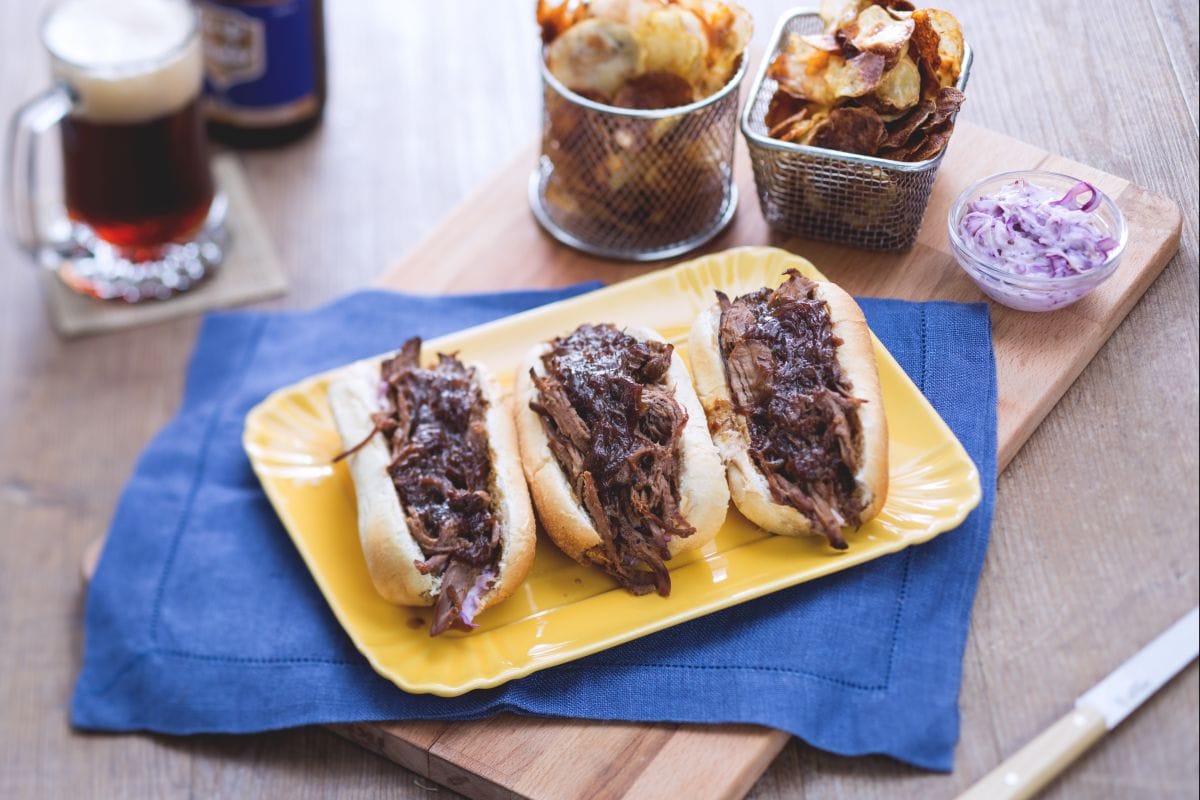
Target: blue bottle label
(259,61)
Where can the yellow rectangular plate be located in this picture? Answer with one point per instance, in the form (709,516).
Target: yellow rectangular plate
(565,611)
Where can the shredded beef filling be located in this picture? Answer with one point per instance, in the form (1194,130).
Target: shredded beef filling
(780,362)
(433,420)
(614,426)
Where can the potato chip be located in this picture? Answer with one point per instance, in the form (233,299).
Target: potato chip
(798,128)
(595,47)
(857,76)
(933,143)
(878,80)
(826,42)
(938,39)
(949,100)
(900,9)
(926,130)
(803,131)
(877,31)
(823,78)
(671,39)
(792,65)
(793,120)
(594,57)
(781,107)
(899,153)
(836,13)
(728,28)
(899,89)
(899,134)
(628,12)
(923,145)
(654,90)
(851,130)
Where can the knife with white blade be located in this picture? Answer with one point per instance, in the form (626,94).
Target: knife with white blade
(1097,712)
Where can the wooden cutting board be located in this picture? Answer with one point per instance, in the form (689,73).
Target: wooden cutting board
(492,242)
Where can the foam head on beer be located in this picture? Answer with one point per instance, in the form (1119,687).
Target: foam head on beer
(126,60)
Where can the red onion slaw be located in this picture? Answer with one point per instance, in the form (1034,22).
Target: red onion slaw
(1026,229)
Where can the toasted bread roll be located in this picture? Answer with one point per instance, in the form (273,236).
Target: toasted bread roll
(467,478)
(785,502)
(671,519)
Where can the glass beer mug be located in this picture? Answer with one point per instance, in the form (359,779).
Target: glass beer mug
(142,219)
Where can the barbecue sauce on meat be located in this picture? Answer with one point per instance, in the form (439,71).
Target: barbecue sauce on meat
(780,361)
(614,426)
(434,424)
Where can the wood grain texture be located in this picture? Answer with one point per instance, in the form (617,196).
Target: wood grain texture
(1023,774)
(1095,541)
(510,756)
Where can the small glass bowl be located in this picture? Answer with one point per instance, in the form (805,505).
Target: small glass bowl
(1035,292)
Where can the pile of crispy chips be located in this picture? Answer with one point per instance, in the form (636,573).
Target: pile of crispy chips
(879,81)
(651,180)
(643,53)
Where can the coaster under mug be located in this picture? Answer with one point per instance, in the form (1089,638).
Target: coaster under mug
(250,271)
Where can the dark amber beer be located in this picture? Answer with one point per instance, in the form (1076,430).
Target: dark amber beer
(135,156)
(141,183)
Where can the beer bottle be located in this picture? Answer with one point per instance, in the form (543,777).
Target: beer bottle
(264,69)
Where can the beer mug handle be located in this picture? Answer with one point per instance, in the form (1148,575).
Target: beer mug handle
(28,123)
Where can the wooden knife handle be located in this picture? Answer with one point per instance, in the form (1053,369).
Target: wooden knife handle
(1033,766)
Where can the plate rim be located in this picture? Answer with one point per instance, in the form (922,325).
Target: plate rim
(959,511)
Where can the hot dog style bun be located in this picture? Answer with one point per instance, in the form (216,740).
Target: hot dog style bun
(789,382)
(444,515)
(616,450)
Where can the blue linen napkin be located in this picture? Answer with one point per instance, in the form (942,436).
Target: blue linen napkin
(201,617)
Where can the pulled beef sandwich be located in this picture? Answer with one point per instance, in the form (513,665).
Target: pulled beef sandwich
(613,441)
(788,379)
(443,510)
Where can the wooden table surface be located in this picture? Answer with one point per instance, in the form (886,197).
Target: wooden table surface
(1095,543)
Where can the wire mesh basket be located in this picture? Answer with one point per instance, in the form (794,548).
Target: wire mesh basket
(635,184)
(867,202)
